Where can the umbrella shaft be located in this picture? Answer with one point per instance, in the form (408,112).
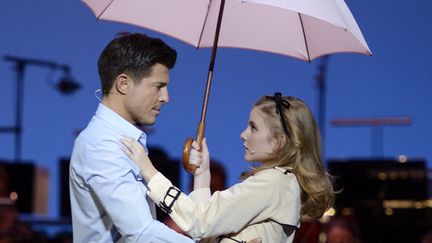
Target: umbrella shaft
(206,97)
(212,61)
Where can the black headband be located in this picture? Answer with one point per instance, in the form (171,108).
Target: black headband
(277,98)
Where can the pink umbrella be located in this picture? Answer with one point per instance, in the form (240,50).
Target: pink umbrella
(304,29)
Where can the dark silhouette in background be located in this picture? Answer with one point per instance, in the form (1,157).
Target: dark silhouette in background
(4,185)
(19,179)
(219,175)
(12,228)
(342,229)
(378,201)
(387,198)
(427,238)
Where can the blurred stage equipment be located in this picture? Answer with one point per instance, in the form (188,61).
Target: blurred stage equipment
(320,79)
(26,185)
(377,124)
(65,207)
(389,199)
(66,85)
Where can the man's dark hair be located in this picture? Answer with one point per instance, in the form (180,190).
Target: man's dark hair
(133,54)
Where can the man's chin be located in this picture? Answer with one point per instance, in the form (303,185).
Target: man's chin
(146,123)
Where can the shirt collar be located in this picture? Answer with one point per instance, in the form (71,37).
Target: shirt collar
(121,124)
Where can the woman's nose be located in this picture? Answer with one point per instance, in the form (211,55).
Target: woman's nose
(243,135)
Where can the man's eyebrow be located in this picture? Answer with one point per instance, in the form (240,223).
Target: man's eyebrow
(162,83)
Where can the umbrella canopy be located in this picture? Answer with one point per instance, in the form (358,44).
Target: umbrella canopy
(304,29)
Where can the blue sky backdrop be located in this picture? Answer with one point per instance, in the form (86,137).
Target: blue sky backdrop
(395,81)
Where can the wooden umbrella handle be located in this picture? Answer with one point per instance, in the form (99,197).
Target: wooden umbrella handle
(187,148)
(188,144)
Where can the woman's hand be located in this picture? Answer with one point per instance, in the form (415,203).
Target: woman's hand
(202,160)
(135,151)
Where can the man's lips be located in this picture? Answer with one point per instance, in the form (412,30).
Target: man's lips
(157,109)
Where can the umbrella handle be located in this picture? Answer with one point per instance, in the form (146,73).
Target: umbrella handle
(187,148)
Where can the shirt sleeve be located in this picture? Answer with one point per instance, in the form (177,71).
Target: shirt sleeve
(122,195)
(254,200)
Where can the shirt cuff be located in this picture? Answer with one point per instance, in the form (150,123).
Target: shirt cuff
(157,187)
(201,194)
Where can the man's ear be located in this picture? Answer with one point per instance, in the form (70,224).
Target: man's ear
(122,83)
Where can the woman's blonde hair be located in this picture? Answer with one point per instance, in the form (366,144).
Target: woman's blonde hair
(301,151)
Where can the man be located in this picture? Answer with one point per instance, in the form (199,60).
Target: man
(108,195)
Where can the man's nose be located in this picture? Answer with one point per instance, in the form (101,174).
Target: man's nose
(164,97)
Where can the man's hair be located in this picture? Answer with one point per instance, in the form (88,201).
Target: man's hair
(133,54)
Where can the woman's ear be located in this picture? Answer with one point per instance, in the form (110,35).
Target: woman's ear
(281,140)
(122,83)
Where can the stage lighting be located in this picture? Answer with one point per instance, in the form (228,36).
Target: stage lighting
(67,84)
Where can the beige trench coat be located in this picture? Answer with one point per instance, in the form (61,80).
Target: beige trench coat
(265,205)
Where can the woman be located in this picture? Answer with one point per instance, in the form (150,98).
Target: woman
(291,180)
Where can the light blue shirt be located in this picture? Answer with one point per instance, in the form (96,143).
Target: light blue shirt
(108,195)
